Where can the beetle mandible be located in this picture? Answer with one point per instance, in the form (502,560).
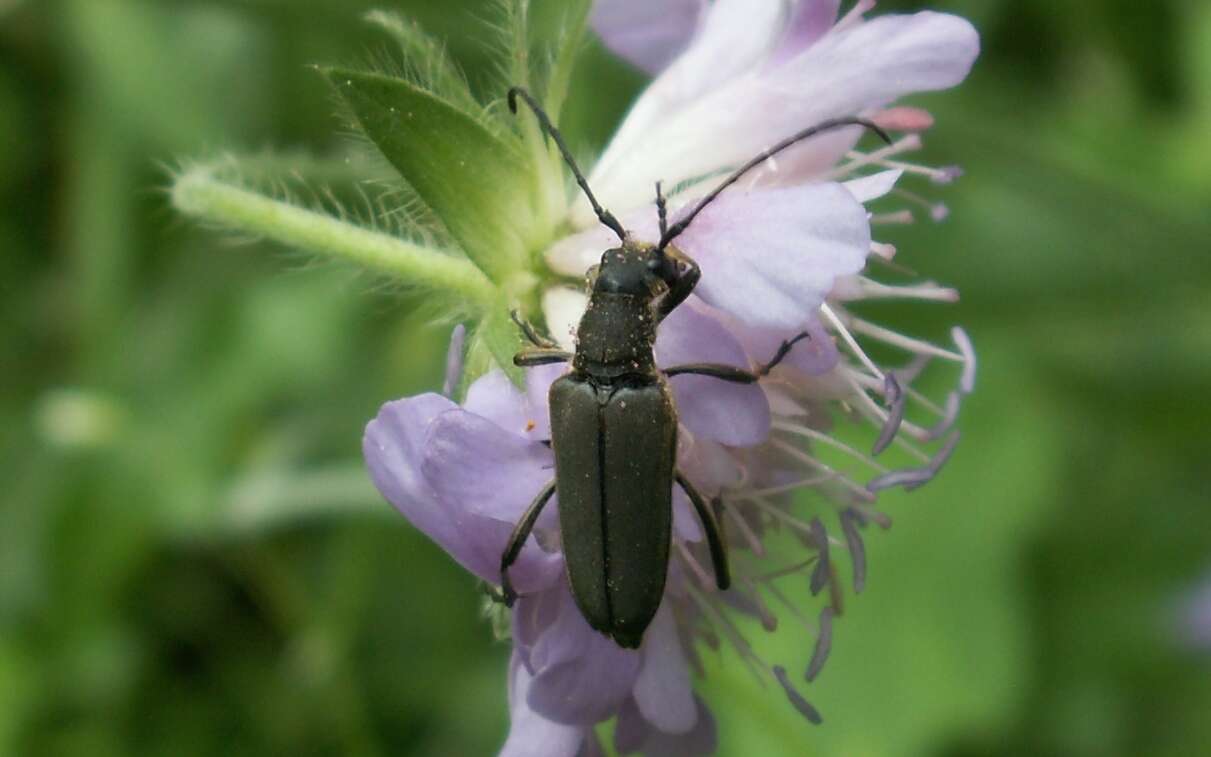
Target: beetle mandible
(613,420)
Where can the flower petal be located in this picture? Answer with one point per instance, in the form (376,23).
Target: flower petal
(810,20)
(647,33)
(663,691)
(563,308)
(396,446)
(527,414)
(489,471)
(486,478)
(873,187)
(814,356)
(529,732)
(580,676)
(847,72)
(730,413)
(633,734)
(770,257)
(393,447)
(734,38)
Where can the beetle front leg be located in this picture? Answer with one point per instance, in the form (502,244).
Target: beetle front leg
(683,286)
(530,332)
(517,540)
(714,533)
(738,375)
(540,356)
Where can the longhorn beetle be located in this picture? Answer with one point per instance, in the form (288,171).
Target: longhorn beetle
(613,421)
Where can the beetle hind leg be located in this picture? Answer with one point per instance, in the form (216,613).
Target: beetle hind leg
(714,532)
(517,540)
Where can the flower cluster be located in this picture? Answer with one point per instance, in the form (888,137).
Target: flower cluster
(790,250)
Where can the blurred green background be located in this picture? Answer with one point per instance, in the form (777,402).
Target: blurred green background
(192,561)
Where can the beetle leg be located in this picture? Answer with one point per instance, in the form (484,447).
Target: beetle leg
(714,370)
(517,540)
(540,356)
(682,287)
(714,532)
(530,332)
(734,374)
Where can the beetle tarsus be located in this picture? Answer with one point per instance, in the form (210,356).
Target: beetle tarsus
(531,333)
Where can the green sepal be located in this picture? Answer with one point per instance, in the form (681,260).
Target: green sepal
(473,180)
(503,340)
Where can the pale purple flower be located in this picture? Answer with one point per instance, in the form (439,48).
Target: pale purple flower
(788,250)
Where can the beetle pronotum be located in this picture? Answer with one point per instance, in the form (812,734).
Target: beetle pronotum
(613,421)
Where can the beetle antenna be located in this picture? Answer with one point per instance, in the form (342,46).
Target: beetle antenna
(662,210)
(673,231)
(603,215)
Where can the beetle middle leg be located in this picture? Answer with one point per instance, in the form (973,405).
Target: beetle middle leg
(738,375)
(517,540)
(540,356)
(714,532)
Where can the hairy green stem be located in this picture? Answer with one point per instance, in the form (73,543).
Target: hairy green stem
(200,193)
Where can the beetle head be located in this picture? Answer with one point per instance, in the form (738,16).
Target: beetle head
(637,269)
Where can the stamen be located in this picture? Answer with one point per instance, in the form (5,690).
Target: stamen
(949,416)
(790,606)
(750,536)
(784,488)
(943,175)
(767,578)
(943,454)
(695,567)
(823,570)
(754,663)
(769,621)
(802,705)
(862,493)
(911,478)
(898,218)
(857,548)
(937,211)
(895,415)
(927,291)
(779,514)
(811,433)
(824,644)
(910,344)
(913,369)
(883,250)
(855,14)
(878,417)
(858,159)
(968,380)
(866,515)
(850,342)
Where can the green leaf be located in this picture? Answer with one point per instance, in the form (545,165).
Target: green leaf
(576,19)
(472,179)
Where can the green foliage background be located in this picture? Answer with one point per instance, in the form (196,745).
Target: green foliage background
(191,559)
